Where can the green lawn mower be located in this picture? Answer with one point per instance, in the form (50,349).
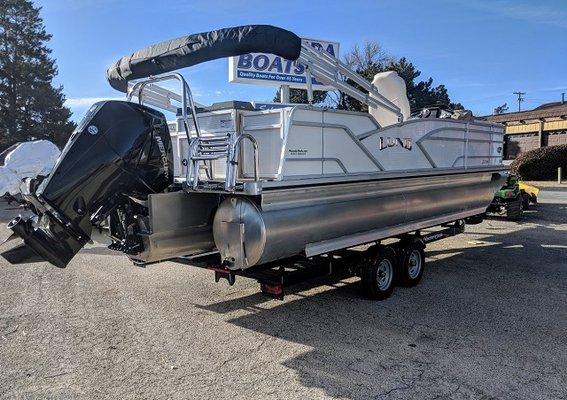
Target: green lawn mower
(513,198)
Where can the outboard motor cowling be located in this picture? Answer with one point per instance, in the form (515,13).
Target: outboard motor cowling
(119,150)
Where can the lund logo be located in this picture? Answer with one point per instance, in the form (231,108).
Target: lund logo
(387,141)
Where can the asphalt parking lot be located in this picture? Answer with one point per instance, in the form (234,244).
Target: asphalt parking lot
(488,321)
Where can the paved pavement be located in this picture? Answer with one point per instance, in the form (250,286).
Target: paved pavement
(489,320)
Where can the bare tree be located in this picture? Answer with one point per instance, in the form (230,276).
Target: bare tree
(372,53)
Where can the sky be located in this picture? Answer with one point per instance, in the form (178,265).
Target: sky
(481,50)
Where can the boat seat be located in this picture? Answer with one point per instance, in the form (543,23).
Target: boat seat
(393,88)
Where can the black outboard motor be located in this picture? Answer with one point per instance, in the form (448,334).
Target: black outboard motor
(121,151)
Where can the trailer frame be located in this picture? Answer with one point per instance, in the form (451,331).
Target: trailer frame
(276,276)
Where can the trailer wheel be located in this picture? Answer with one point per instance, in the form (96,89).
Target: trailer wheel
(412,263)
(378,277)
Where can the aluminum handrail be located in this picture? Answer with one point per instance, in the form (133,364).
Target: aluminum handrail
(160,98)
(330,70)
(186,96)
(231,162)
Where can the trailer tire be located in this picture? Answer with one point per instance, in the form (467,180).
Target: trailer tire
(412,263)
(379,275)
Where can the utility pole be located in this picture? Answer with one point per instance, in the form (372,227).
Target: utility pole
(563,98)
(520,99)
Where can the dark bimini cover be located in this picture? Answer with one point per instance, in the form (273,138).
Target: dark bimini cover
(194,49)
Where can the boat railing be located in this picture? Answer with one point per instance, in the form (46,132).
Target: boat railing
(203,150)
(147,91)
(333,72)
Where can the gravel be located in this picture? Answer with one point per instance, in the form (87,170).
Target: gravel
(489,320)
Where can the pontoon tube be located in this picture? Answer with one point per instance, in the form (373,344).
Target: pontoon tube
(247,235)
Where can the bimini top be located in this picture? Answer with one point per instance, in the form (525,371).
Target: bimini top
(198,48)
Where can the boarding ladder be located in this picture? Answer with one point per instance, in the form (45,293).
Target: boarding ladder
(204,150)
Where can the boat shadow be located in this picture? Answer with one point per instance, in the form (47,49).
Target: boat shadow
(473,312)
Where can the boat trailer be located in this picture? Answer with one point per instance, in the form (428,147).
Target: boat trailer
(275,277)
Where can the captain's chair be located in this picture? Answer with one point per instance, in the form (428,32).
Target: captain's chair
(392,87)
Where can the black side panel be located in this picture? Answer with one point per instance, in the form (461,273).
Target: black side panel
(198,48)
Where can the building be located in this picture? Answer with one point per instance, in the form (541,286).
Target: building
(543,126)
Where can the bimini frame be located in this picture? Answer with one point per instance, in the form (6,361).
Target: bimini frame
(333,72)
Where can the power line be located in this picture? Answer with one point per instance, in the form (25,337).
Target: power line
(520,99)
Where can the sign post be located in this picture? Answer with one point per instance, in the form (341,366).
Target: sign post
(284,94)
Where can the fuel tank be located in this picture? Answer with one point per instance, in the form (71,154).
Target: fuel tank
(120,151)
(286,222)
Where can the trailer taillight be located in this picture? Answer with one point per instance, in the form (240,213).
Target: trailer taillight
(274,290)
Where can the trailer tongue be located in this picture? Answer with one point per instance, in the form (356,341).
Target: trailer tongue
(245,191)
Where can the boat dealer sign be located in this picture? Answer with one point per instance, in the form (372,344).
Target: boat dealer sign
(269,69)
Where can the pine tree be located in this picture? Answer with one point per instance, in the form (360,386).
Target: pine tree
(30,107)
(420,94)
